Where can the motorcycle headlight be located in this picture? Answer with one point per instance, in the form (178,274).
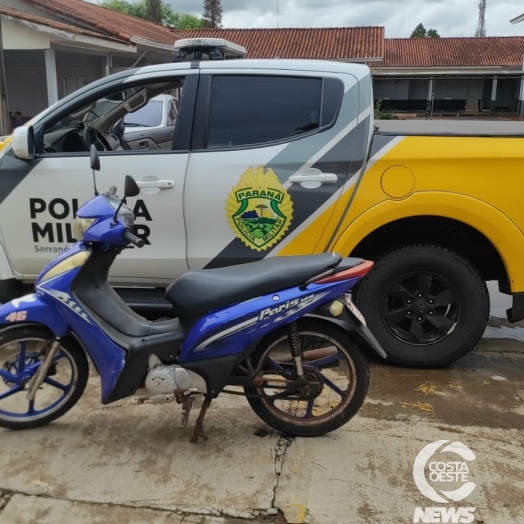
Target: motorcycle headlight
(80,226)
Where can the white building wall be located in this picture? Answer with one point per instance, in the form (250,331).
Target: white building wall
(74,70)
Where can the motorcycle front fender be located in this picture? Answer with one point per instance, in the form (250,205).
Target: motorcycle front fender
(33,309)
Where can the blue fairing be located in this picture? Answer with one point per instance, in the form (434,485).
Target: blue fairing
(104,230)
(109,359)
(77,247)
(38,309)
(231,330)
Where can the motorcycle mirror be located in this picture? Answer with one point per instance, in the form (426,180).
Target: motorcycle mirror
(95,164)
(131,188)
(95,159)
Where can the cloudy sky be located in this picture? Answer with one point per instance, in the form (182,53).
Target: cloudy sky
(399,17)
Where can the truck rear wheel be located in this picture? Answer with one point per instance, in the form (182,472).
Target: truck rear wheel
(426,305)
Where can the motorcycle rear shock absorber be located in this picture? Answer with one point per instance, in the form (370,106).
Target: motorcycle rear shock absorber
(296,347)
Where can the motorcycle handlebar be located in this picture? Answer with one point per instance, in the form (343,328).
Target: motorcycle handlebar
(133,239)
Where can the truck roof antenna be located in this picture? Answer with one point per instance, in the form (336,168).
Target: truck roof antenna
(95,164)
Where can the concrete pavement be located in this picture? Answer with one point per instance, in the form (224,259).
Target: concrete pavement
(132,463)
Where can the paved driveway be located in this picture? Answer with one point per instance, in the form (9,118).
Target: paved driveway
(132,463)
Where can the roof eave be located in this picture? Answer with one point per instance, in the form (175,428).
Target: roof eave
(436,71)
(103,42)
(59,14)
(150,44)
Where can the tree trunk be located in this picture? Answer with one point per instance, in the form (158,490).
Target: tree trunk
(154,10)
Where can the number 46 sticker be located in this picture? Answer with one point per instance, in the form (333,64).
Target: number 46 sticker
(16,316)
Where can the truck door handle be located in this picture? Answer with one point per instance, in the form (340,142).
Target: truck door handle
(323,178)
(157,184)
(312,178)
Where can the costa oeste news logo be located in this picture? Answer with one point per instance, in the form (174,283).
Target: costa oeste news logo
(429,471)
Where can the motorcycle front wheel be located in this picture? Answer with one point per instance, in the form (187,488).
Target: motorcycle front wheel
(336,380)
(22,350)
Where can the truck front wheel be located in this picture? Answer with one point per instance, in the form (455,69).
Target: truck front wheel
(426,305)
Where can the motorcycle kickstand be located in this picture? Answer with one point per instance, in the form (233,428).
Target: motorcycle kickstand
(199,426)
(187,405)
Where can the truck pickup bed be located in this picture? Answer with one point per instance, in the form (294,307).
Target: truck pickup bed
(450,127)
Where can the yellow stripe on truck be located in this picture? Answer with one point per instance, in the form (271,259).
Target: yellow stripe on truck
(6,141)
(322,227)
(454,177)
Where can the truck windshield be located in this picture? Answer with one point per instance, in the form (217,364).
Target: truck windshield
(148,116)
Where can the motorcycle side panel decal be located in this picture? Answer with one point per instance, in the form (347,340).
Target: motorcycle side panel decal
(68,301)
(249,321)
(226,333)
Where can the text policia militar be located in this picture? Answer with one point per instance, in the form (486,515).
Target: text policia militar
(52,222)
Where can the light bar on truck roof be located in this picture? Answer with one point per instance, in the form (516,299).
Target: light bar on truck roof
(214,48)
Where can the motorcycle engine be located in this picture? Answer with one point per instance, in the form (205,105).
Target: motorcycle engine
(164,380)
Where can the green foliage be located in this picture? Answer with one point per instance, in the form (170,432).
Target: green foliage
(421,32)
(383,114)
(184,21)
(151,9)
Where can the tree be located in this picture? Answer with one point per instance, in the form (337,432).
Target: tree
(212,14)
(421,32)
(156,11)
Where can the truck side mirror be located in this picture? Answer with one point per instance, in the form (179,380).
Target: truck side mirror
(24,142)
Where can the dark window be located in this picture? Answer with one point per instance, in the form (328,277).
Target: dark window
(260,109)
(148,116)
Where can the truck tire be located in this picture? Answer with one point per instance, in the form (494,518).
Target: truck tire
(426,305)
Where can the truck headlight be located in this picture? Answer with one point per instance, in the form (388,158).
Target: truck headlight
(80,226)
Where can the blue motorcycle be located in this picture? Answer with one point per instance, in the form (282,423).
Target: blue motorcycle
(282,329)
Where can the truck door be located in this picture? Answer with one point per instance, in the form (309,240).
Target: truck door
(37,215)
(271,152)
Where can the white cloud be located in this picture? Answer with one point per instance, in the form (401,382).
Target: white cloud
(399,17)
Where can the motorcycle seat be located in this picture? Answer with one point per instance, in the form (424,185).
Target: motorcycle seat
(196,293)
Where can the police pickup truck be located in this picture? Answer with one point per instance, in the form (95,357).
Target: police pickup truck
(278,157)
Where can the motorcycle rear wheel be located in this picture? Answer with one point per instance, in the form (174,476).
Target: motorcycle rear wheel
(21,353)
(335,354)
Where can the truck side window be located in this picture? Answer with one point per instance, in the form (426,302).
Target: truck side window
(140,118)
(256,109)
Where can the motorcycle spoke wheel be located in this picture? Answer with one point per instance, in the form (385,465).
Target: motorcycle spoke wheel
(336,378)
(21,353)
